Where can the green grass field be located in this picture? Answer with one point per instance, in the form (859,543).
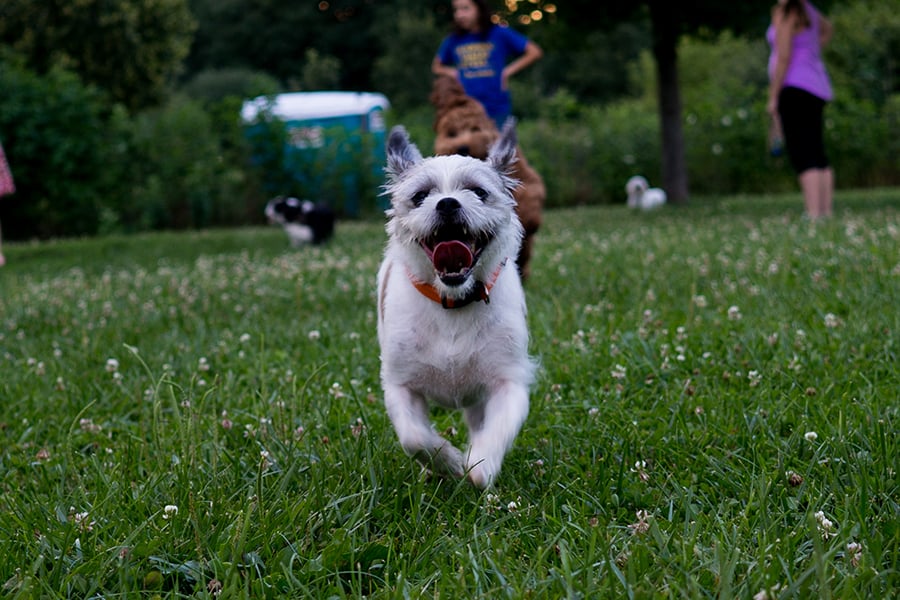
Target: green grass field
(716,416)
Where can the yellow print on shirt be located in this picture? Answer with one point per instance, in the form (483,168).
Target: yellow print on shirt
(473,58)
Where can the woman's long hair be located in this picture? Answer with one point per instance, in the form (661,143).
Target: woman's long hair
(799,7)
(484,19)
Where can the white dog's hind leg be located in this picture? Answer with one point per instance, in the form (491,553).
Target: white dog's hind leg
(409,414)
(493,427)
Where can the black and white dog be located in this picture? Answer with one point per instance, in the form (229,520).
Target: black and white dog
(303,221)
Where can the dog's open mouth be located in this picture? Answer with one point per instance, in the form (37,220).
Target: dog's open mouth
(454,252)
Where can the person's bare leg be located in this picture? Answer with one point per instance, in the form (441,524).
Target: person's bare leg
(810,184)
(826,196)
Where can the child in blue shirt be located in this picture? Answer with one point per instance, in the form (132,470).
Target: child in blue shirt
(476,54)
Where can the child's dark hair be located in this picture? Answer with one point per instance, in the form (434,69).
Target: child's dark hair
(484,19)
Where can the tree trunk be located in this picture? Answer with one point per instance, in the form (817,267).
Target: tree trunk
(664,15)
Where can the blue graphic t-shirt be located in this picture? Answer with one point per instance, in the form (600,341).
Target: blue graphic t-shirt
(480,59)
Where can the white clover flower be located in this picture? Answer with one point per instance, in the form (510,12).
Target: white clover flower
(854,551)
(717,149)
(245,337)
(825,525)
(811,436)
(89,426)
(726,121)
(768,594)
(314,335)
(734,313)
(619,372)
(169,511)
(831,321)
(643,523)
(112,365)
(754,377)
(203,364)
(83,521)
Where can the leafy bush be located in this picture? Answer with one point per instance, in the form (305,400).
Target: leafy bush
(588,161)
(215,85)
(403,69)
(53,132)
(180,178)
(862,55)
(320,72)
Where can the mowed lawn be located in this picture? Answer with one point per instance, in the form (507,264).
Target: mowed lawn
(199,415)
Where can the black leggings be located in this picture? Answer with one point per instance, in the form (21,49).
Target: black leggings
(801,123)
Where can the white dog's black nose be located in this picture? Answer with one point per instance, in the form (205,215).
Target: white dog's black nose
(447,207)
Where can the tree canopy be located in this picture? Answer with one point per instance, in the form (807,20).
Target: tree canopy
(131,49)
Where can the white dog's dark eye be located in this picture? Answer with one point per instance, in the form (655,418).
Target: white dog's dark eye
(419,197)
(481,193)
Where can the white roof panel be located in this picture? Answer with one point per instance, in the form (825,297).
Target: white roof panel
(315,105)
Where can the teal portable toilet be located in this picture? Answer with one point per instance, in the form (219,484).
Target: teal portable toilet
(323,146)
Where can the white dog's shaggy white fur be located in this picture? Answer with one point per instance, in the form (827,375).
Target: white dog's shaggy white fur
(451,309)
(641,195)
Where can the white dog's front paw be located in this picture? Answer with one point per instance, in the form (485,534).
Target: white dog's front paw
(483,471)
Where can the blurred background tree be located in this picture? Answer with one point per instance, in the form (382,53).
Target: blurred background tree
(131,49)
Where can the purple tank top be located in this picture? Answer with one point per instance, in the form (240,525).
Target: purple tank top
(806,70)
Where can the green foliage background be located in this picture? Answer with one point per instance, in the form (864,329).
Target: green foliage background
(159,144)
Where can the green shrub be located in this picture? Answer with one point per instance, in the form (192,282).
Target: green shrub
(403,69)
(588,161)
(181,179)
(214,85)
(53,131)
(862,55)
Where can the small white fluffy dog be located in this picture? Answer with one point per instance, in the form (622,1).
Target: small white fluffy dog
(451,309)
(641,195)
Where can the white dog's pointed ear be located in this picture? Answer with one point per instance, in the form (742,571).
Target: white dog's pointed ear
(401,153)
(502,154)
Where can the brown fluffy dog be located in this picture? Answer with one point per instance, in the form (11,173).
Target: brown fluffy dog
(463,127)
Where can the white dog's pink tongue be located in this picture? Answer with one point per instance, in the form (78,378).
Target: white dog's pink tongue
(452,257)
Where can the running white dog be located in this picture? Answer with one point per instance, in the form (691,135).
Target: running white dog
(451,310)
(641,195)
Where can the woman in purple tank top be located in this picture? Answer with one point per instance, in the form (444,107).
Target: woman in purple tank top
(798,90)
